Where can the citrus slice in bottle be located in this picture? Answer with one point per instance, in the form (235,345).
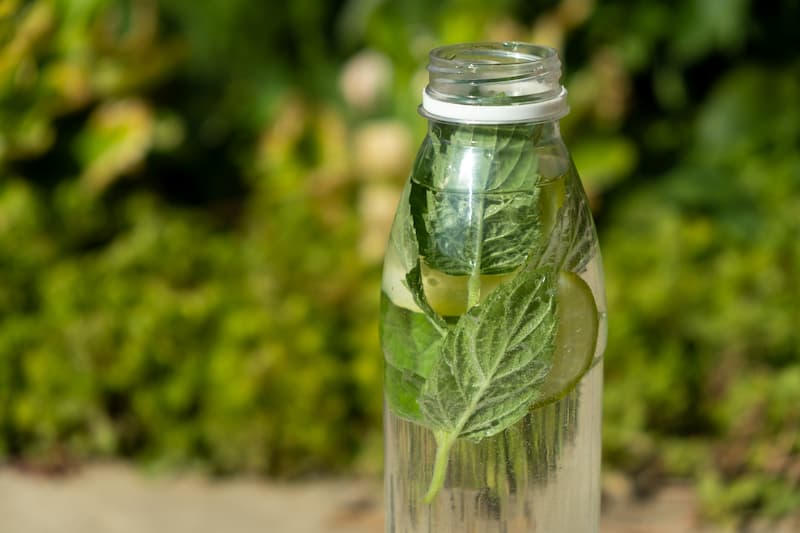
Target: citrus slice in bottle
(447,295)
(576,338)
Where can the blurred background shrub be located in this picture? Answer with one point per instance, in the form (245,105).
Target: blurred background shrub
(194,200)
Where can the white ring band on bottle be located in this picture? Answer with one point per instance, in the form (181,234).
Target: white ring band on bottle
(551,109)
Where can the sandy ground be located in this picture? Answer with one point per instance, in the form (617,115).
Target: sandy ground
(118,499)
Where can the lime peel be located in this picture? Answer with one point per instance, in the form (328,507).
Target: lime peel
(576,338)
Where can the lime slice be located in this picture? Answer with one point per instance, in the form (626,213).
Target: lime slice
(576,338)
(447,295)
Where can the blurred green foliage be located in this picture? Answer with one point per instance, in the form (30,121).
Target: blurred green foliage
(194,202)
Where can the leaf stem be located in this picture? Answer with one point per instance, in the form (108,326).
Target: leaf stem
(444,441)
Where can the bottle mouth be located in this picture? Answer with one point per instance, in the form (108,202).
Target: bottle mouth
(494,82)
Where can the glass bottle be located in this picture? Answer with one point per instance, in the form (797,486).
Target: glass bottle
(493,317)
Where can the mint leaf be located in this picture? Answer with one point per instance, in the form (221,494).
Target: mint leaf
(402,392)
(499,158)
(491,365)
(510,229)
(409,341)
(403,246)
(491,362)
(402,239)
(464,224)
(411,345)
(572,240)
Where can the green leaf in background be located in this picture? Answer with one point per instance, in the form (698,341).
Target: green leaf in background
(491,365)
(604,161)
(118,137)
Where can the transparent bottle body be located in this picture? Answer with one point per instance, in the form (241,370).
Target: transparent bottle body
(542,472)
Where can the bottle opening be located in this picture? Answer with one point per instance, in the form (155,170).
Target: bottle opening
(494,83)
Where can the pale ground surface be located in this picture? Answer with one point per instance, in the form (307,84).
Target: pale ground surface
(117,499)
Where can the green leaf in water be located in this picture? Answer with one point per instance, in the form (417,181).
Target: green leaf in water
(402,391)
(409,340)
(411,346)
(464,223)
(572,239)
(491,365)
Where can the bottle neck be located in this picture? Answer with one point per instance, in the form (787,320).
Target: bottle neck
(494,83)
(490,158)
